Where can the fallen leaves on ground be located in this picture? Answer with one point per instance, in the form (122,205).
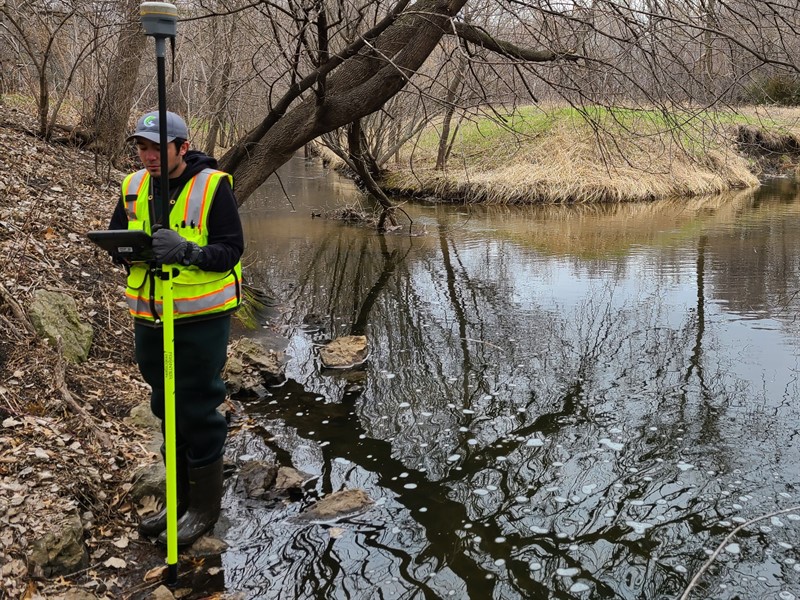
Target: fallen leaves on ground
(54,461)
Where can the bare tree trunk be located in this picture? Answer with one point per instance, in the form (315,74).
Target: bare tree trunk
(449,110)
(219,85)
(6,63)
(707,58)
(43,101)
(396,140)
(115,98)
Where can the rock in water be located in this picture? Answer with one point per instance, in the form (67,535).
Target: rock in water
(344,352)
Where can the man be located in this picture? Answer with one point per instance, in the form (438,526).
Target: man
(203,245)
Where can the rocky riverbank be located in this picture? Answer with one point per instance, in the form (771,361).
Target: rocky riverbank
(80,461)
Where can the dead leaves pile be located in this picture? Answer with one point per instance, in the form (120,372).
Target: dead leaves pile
(65,446)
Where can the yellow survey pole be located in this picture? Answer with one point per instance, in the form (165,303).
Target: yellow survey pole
(169,426)
(159,20)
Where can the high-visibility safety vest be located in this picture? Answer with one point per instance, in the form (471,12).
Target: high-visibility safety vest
(196,293)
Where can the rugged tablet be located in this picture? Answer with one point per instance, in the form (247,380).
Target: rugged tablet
(133,245)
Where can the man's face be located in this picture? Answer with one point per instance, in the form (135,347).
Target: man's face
(150,155)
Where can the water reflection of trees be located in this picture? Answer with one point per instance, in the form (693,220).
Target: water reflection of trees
(575,422)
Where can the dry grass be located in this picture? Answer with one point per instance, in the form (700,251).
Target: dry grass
(573,161)
(781,118)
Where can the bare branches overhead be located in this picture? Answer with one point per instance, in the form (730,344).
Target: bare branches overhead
(264,77)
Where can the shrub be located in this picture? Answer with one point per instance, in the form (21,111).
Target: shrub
(783,90)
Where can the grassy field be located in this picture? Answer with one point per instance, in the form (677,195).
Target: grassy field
(566,155)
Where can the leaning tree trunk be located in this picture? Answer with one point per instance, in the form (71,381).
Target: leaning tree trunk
(115,100)
(357,83)
(361,161)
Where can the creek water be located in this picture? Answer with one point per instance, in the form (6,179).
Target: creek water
(559,402)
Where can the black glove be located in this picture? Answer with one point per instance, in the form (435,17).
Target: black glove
(169,248)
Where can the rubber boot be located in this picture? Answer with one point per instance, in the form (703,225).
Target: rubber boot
(154,524)
(205,491)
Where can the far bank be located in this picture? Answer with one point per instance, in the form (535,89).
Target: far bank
(532,155)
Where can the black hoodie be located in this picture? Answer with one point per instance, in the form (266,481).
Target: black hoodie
(225,237)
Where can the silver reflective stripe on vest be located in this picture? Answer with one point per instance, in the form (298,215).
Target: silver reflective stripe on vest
(194,203)
(134,183)
(207,302)
(140,307)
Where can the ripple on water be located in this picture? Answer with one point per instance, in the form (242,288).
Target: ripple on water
(616,446)
(733,548)
(638,527)
(539,530)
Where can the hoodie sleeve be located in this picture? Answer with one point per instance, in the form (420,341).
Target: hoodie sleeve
(119,220)
(225,236)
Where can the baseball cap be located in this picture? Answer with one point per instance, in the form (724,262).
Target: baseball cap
(148,127)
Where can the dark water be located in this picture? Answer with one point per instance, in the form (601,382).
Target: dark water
(559,402)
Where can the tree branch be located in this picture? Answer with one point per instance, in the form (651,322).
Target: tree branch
(234,157)
(480,37)
(16,309)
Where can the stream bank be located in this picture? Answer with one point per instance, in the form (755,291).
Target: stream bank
(551,156)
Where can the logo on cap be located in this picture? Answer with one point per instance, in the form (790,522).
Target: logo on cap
(149,121)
